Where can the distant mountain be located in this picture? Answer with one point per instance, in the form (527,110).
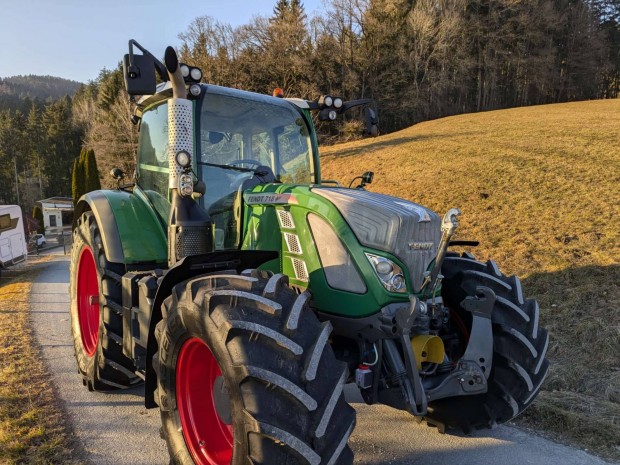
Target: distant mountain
(16,91)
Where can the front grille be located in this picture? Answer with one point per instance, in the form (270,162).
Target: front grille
(301,272)
(292,243)
(286,219)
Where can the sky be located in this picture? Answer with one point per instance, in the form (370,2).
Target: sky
(75,39)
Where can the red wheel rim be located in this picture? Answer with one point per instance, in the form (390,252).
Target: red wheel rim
(208,438)
(88,301)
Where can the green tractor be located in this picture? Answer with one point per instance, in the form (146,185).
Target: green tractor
(245,291)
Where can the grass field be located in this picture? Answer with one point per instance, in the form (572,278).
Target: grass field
(32,427)
(540,188)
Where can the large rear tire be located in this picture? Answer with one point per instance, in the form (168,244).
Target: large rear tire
(519,347)
(246,375)
(96,312)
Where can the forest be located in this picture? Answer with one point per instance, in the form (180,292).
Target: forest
(418,59)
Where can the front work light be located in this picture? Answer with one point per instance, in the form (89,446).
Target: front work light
(183,159)
(194,90)
(326,100)
(328,114)
(195,74)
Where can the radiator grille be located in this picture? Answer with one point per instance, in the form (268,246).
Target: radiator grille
(286,219)
(301,272)
(292,243)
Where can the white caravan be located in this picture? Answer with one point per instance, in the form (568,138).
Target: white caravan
(13,245)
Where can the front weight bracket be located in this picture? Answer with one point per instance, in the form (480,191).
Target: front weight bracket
(473,369)
(480,347)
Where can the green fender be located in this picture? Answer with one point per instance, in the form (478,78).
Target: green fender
(131,231)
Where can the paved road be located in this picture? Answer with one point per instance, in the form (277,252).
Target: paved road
(116,429)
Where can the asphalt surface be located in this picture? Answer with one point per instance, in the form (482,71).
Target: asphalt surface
(117,429)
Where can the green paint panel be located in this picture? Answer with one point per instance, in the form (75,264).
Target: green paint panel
(263,231)
(142,235)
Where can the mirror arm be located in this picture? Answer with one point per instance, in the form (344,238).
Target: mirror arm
(159,66)
(353,180)
(356,103)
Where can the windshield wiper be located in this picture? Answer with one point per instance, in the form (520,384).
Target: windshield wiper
(227,167)
(235,168)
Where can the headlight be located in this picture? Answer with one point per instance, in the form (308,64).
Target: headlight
(389,273)
(186,185)
(337,102)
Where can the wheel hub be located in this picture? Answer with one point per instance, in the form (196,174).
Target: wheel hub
(221,400)
(204,405)
(88,301)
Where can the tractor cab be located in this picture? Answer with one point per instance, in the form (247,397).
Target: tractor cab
(241,139)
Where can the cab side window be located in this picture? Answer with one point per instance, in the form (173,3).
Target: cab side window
(153,150)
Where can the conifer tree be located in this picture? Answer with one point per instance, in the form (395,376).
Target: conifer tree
(62,139)
(36,145)
(37,214)
(91,173)
(78,178)
(280,9)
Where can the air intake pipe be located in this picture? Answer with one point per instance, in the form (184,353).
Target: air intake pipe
(189,225)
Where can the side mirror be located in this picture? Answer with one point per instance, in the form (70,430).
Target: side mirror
(117,174)
(371,122)
(366,178)
(139,74)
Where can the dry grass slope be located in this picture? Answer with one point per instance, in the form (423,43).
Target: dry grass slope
(540,188)
(32,427)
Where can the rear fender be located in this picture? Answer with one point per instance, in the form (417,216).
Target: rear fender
(131,231)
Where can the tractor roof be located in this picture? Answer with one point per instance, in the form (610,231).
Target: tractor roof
(164,92)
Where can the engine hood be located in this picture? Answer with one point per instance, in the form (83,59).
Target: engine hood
(404,229)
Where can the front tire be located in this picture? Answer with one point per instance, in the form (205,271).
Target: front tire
(246,375)
(96,312)
(519,347)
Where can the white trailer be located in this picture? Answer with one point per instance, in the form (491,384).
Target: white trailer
(13,244)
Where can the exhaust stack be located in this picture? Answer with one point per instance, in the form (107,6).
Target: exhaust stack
(189,225)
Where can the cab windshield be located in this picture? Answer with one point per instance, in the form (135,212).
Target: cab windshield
(245,142)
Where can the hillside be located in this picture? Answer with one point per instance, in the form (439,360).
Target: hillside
(540,188)
(16,89)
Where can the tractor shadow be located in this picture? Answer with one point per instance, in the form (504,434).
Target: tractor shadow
(366,148)
(384,436)
(580,308)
